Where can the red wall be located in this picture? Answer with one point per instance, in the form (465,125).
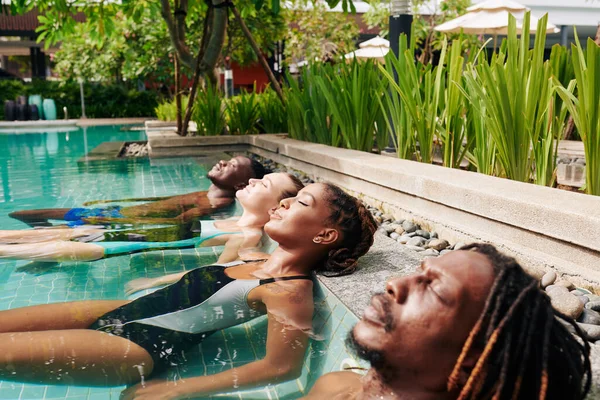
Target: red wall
(246,77)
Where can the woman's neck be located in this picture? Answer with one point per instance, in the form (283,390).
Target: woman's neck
(250,219)
(286,262)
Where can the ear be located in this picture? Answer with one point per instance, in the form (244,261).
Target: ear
(327,236)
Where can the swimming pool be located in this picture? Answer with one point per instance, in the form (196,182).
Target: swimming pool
(41,170)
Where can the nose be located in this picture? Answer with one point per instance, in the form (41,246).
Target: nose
(285,203)
(252,181)
(397,289)
(222,163)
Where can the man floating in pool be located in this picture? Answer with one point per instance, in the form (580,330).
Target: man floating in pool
(226,176)
(471,325)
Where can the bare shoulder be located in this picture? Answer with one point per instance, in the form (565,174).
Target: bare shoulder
(293,297)
(335,384)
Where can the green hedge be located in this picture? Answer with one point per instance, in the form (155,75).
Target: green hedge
(101,100)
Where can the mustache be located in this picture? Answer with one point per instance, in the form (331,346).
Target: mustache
(386,310)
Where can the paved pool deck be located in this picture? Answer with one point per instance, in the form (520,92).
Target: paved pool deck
(385,260)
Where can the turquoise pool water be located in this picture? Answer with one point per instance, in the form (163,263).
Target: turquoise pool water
(41,170)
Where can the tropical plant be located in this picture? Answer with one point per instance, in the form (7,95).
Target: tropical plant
(515,92)
(308,113)
(397,119)
(453,110)
(272,112)
(585,107)
(167,110)
(209,111)
(353,95)
(420,87)
(243,113)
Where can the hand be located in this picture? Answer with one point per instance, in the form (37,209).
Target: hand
(153,390)
(136,285)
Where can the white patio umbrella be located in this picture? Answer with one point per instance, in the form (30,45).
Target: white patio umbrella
(376,48)
(491,17)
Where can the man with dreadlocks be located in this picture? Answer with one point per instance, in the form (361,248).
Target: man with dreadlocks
(470,325)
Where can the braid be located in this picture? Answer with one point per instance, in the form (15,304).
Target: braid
(527,351)
(357,226)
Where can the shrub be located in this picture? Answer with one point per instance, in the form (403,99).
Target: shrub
(209,111)
(101,100)
(243,114)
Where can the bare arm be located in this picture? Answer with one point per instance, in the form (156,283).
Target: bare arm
(286,346)
(146,283)
(335,384)
(89,203)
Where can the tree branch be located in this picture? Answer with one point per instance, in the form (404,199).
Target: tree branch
(259,54)
(180,16)
(197,72)
(182,50)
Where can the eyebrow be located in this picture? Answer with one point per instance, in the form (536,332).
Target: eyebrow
(308,194)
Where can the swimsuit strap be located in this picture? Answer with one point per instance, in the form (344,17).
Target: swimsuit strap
(284,278)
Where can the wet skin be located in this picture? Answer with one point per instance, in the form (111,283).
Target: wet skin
(418,327)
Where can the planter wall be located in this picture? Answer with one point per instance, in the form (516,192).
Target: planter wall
(543,227)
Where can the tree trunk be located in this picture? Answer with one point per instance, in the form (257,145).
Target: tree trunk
(196,78)
(261,57)
(181,49)
(178,94)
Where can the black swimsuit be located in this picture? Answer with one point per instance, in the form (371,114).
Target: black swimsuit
(172,319)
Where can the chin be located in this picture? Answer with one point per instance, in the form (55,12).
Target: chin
(362,347)
(271,230)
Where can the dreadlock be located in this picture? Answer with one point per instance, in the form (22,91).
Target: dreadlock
(527,351)
(358,227)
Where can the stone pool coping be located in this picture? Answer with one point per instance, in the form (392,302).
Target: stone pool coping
(544,228)
(66,123)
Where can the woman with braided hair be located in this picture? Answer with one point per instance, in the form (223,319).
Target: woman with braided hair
(470,325)
(124,342)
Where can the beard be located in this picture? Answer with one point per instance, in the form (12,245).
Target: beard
(375,357)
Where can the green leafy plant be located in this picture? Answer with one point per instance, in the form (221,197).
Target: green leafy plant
(243,113)
(308,113)
(101,100)
(420,88)
(272,112)
(453,110)
(482,153)
(167,111)
(209,111)
(353,95)
(515,94)
(585,107)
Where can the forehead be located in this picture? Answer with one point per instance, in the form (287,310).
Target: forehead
(317,190)
(469,271)
(241,160)
(277,178)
